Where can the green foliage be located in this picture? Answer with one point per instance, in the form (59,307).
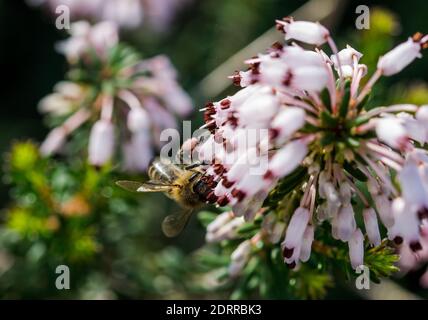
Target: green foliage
(71,213)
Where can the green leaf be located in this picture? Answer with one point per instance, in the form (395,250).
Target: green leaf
(325,98)
(327,120)
(344,105)
(328,138)
(355,172)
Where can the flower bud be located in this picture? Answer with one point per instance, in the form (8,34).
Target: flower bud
(53,142)
(138,119)
(346,56)
(296,228)
(372,227)
(308,238)
(356,249)
(383,206)
(345,222)
(399,57)
(406,226)
(101,142)
(288,158)
(392,132)
(287,122)
(305,31)
(309,78)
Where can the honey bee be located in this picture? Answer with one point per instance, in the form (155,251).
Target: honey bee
(186,185)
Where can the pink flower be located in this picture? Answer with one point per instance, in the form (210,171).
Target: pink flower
(321,145)
(141,109)
(128,14)
(400,57)
(101,143)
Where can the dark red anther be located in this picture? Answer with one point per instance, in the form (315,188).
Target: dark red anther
(423,213)
(236,79)
(226,183)
(279,27)
(287,79)
(398,240)
(415,246)
(233,120)
(277,46)
(292,265)
(255,69)
(225,104)
(211,197)
(268,175)
(417,37)
(218,169)
(273,133)
(287,252)
(238,194)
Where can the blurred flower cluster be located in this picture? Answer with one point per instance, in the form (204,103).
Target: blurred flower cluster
(66,210)
(129,14)
(123,96)
(335,162)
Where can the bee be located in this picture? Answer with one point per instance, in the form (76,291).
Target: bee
(188,186)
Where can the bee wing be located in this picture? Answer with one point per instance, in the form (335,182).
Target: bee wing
(173,224)
(135,186)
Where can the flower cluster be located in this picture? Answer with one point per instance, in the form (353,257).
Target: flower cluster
(410,261)
(126,13)
(110,85)
(329,156)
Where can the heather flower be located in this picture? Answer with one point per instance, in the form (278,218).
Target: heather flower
(120,94)
(128,14)
(324,146)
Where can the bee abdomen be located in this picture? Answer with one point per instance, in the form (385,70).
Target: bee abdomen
(160,171)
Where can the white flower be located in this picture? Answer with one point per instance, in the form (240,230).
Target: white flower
(84,38)
(129,14)
(399,57)
(287,122)
(53,142)
(346,56)
(349,58)
(309,78)
(103,36)
(321,149)
(150,99)
(126,13)
(392,132)
(295,230)
(356,249)
(305,31)
(239,258)
(288,158)
(372,227)
(406,226)
(138,119)
(383,205)
(344,223)
(308,238)
(414,185)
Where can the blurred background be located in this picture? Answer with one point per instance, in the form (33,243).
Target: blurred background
(118,250)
